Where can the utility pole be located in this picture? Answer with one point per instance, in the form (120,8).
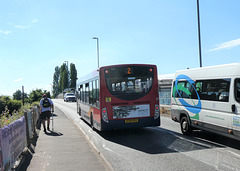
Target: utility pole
(199,35)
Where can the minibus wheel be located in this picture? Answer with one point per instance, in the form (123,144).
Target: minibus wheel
(185,126)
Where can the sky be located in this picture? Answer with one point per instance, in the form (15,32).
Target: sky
(36,36)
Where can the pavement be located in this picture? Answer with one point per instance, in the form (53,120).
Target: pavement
(65,148)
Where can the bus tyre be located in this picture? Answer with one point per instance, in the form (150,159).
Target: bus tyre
(79,111)
(91,120)
(185,126)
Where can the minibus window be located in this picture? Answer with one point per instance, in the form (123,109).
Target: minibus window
(216,90)
(213,90)
(237,90)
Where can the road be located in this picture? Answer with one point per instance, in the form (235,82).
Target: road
(159,148)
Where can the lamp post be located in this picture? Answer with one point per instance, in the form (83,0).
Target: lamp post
(97,49)
(199,35)
(67,72)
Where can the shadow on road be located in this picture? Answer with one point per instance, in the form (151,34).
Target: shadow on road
(154,140)
(54,115)
(52,133)
(157,140)
(216,139)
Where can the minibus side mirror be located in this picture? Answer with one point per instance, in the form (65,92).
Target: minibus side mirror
(233,108)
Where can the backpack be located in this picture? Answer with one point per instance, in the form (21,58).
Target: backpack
(46,103)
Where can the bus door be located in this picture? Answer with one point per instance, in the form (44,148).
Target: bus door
(236,108)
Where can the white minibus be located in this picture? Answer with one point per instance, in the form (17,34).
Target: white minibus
(208,98)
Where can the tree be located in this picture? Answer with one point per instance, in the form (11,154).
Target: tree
(63,81)
(36,95)
(73,76)
(61,78)
(56,77)
(47,93)
(17,95)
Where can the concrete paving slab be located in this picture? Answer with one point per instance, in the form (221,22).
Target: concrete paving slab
(63,149)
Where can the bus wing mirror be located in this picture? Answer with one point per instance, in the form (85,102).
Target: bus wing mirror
(233,108)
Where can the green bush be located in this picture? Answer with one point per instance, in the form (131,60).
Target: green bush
(7,117)
(11,104)
(10,110)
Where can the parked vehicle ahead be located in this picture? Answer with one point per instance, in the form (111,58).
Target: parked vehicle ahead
(70,97)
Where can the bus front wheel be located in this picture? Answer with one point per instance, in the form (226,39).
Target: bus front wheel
(185,126)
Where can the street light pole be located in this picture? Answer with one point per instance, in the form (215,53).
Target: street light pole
(199,35)
(67,73)
(97,49)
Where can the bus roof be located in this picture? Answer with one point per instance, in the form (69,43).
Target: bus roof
(94,74)
(109,66)
(218,71)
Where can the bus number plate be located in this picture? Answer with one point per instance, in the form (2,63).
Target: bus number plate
(131,120)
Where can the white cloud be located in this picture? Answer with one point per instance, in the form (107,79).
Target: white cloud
(5,32)
(18,80)
(226,45)
(34,21)
(22,27)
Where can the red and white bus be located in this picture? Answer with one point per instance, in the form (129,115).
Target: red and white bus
(120,97)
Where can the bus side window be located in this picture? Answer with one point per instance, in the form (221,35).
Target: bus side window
(84,93)
(81,92)
(87,93)
(97,90)
(94,92)
(90,93)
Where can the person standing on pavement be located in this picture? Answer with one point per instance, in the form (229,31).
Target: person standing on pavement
(46,106)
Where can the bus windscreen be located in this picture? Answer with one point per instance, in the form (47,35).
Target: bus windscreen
(129,82)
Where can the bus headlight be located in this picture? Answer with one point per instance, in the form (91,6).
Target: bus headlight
(157,112)
(104,115)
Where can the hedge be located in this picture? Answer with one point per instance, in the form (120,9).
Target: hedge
(12,105)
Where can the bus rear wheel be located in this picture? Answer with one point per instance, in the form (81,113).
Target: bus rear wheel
(79,111)
(185,126)
(91,120)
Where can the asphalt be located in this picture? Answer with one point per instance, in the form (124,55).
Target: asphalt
(65,148)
